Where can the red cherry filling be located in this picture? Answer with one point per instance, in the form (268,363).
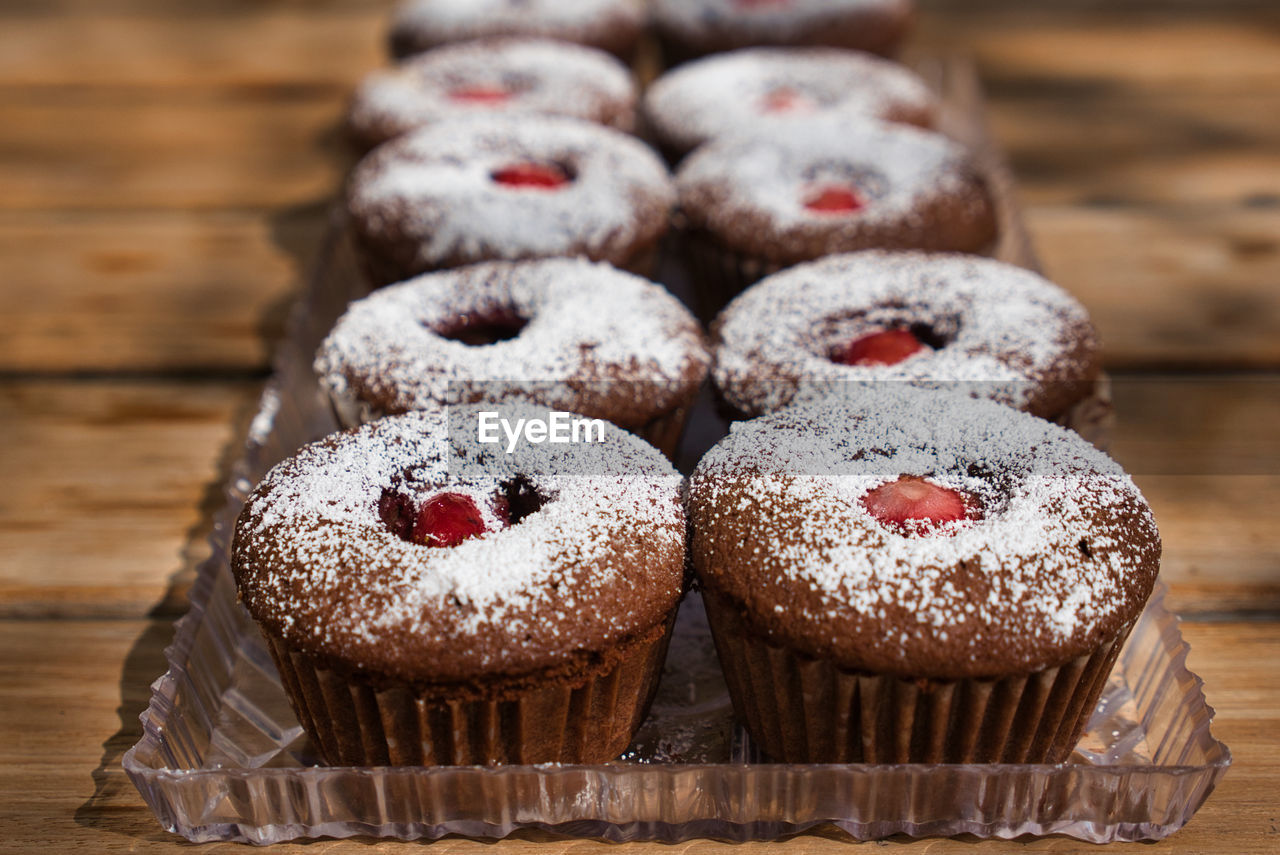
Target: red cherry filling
(447,519)
(912,505)
(834,199)
(480,95)
(540,176)
(785,100)
(887,347)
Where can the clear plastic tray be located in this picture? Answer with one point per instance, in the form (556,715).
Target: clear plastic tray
(223,757)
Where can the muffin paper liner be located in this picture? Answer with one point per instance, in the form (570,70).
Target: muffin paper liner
(719,274)
(356,723)
(804,710)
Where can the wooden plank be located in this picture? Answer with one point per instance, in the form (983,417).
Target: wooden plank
(197,44)
(109,491)
(1198,47)
(1069,144)
(149,291)
(1206,454)
(1170,286)
(71,691)
(186,149)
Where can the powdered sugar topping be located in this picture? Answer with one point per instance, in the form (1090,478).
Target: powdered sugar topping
(1065,544)
(435,186)
(997,330)
(313,553)
(779,21)
(897,169)
(594,339)
(534,75)
(439,21)
(760,88)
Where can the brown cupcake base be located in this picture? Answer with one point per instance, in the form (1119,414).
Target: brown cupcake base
(588,720)
(803,710)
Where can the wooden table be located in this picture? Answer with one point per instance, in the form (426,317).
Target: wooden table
(164,168)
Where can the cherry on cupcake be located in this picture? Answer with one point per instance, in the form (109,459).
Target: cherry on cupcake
(834,199)
(532,176)
(914,505)
(480,95)
(447,519)
(784,99)
(885,347)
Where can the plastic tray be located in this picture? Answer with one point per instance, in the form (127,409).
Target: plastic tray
(223,757)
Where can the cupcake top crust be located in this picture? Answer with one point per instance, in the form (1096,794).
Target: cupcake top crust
(707,26)
(565,333)
(974,325)
(836,184)
(498,75)
(1055,553)
(756,88)
(611,25)
(581,548)
(508,188)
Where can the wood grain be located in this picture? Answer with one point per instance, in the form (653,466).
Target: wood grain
(109,491)
(179,150)
(272,45)
(73,689)
(175,292)
(1170,287)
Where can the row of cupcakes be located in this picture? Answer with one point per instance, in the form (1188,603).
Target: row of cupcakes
(892,573)
(900,575)
(599,341)
(485,151)
(686,28)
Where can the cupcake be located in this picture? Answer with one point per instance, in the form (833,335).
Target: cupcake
(564,333)
(505,188)
(755,203)
(614,26)
(431,599)
(691,28)
(502,75)
(957,322)
(912,577)
(760,88)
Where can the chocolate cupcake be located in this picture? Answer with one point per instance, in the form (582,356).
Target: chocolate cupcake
(431,599)
(520,76)
(691,28)
(953,322)
(614,26)
(564,333)
(913,577)
(752,204)
(507,188)
(759,88)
